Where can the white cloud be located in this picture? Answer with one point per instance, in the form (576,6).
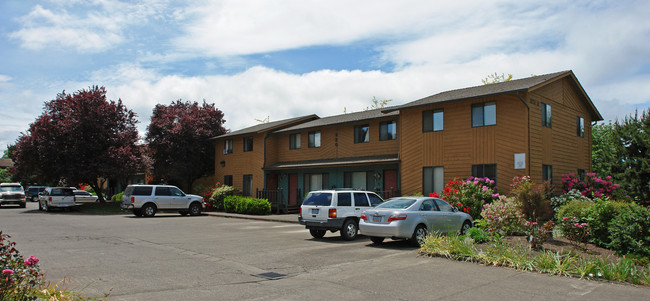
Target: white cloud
(4,78)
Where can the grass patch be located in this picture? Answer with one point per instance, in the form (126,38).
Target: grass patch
(97,207)
(521,257)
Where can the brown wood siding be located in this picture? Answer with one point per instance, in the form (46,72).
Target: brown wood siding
(459,145)
(241,163)
(559,145)
(337,141)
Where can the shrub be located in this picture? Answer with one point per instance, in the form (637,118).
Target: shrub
(538,234)
(534,199)
(246,205)
(470,195)
(591,186)
(574,229)
(20,277)
(571,209)
(600,216)
(573,195)
(117,197)
(630,231)
(219,194)
(504,216)
(478,235)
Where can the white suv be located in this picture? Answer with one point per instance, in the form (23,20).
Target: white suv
(12,193)
(146,200)
(57,197)
(335,210)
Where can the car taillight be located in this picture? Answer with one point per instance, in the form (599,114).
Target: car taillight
(49,199)
(364,217)
(396,217)
(132,199)
(332,213)
(300,213)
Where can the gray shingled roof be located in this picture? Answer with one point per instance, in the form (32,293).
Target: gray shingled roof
(339,119)
(266,126)
(517,85)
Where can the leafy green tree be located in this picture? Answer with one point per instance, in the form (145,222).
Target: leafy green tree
(633,134)
(8,154)
(606,152)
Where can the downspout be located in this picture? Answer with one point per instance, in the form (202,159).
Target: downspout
(529,142)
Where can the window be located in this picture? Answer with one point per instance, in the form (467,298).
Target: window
(361,200)
(433,120)
(547,173)
(174,191)
(428,205)
(387,130)
(433,180)
(316,181)
(580,126)
(484,114)
(485,171)
(164,191)
(248,144)
(314,139)
(227,180)
(374,199)
(227,148)
(361,134)
(344,199)
(444,206)
(294,141)
(581,174)
(358,179)
(546,115)
(248,185)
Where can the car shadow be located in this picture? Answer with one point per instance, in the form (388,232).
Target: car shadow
(336,239)
(400,244)
(163,215)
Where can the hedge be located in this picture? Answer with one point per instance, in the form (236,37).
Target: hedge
(246,205)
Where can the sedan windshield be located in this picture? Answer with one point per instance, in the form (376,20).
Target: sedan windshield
(397,204)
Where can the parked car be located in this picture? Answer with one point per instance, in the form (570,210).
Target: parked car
(33,191)
(84,196)
(12,193)
(56,197)
(336,210)
(412,218)
(146,200)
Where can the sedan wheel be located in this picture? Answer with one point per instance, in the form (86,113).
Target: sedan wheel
(465,227)
(349,230)
(419,235)
(148,210)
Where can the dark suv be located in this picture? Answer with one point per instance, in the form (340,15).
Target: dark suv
(33,191)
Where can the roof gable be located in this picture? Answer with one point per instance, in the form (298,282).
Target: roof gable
(340,119)
(269,126)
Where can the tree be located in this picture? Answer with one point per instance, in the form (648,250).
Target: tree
(496,78)
(8,154)
(79,138)
(178,138)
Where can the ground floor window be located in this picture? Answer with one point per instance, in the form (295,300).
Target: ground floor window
(485,171)
(547,173)
(433,180)
(358,180)
(227,180)
(316,181)
(247,189)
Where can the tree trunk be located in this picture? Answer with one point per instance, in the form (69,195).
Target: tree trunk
(98,191)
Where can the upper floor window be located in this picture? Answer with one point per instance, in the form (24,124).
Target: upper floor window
(361,133)
(484,114)
(580,126)
(433,120)
(227,147)
(248,144)
(546,115)
(294,141)
(387,130)
(314,139)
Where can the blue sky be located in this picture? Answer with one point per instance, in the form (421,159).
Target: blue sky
(282,59)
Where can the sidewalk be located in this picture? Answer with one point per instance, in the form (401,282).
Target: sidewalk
(282,218)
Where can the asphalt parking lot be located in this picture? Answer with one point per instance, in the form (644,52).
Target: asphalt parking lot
(171,257)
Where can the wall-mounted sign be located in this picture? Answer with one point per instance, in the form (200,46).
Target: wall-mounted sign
(520,161)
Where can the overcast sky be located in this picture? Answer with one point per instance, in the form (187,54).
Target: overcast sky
(282,59)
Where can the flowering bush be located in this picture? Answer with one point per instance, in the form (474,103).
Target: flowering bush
(470,195)
(219,195)
(592,186)
(538,234)
(504,216)
(20,277)
(534,199)
(573,195)
(574,229)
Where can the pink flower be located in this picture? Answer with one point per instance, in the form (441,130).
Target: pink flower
(31,260)
(534,223)
(490,230)
(565,218)
(8,271)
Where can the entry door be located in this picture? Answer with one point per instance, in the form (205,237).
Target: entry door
(293,189)
(390,182)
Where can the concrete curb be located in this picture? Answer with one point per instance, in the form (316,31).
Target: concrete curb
(284,218)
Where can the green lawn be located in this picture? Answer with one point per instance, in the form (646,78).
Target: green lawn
(107,207)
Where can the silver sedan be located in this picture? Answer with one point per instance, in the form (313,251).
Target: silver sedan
(82,196)
(412,218)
